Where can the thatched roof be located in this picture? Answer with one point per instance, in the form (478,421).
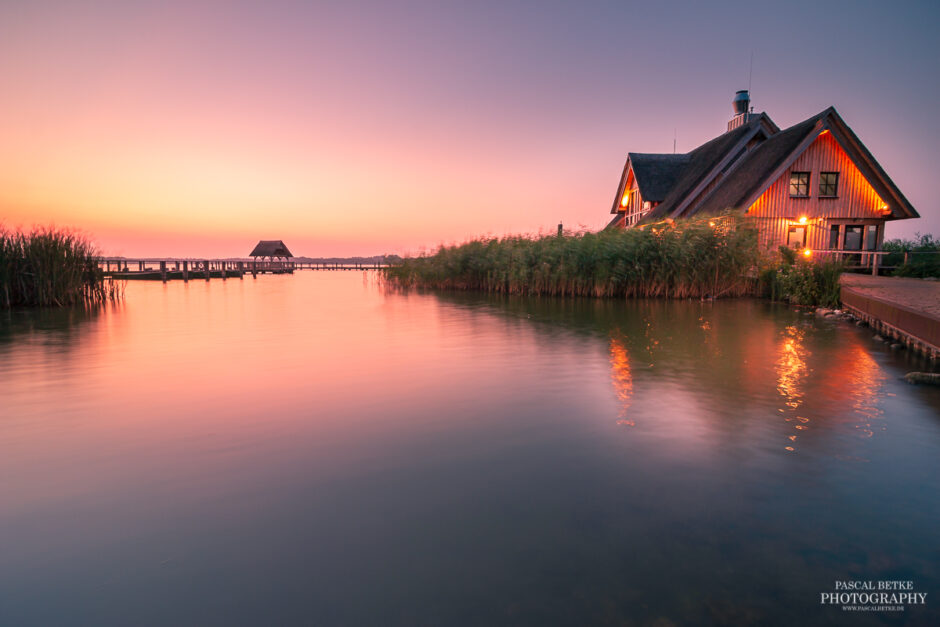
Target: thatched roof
(270,248)
(732,170)
(656,174)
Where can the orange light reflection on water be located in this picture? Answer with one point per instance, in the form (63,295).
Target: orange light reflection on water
(622,379)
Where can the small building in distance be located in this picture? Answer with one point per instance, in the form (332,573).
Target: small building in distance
(813,185)
(271,249)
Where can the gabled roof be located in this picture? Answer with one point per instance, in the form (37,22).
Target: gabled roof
(270,248)
(656,174)
(742,182)
(732,171)
(769,161)
(705,163)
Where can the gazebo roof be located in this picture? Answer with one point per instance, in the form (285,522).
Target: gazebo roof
(270,248)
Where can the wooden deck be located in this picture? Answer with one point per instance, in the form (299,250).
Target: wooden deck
(163,269)
(907,310)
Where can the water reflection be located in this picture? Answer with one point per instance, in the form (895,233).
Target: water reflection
(792,373)
(622,379)
(350,455)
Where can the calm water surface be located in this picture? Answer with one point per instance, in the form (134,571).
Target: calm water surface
(317,450)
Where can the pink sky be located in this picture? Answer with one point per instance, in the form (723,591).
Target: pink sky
(354,129)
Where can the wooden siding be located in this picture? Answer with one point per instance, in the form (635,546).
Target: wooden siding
(857,202)
(856,199)
(773,231)
(633,211)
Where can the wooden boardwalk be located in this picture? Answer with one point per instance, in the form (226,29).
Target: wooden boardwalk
(163,269)
(905,309)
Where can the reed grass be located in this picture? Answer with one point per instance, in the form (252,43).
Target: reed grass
(48,267)
(792,278)
(706,257)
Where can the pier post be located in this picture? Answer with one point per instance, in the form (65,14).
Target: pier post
(223,264)
(205,263)
(186,271)
(163,271)
(140,265)
(241,269)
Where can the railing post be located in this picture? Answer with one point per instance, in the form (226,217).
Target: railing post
(205,262)
(874,264)
(163,271)
(186,271)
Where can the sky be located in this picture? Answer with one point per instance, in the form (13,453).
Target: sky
(362,128)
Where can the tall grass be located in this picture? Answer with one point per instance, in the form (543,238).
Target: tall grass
(50,267)
(706,257)
(791,277)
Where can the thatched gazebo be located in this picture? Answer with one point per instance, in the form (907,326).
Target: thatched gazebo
(271,249)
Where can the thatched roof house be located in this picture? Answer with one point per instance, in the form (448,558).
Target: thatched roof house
(812,185)
(273,248)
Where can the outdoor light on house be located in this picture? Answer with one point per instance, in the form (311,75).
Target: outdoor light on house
(802,220)
(807,252)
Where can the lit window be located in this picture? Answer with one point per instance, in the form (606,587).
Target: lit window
(646,205)
(828,184)
(799,184)
(796,237)
(834,236)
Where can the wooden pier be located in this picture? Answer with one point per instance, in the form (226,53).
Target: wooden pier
(906,310)
(162,269)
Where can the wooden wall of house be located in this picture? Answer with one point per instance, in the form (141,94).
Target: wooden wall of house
(634,208)
(857,202)
(773,231)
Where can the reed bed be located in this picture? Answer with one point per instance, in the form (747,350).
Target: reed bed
(698,258)
(49,267)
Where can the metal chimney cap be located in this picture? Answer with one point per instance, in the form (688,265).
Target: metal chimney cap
(741,101)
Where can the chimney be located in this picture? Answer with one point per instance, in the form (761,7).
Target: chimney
(740,104)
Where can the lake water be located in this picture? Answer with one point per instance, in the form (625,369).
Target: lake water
(317,449)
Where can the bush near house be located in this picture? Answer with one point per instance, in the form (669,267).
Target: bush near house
(923,258)
(801,281)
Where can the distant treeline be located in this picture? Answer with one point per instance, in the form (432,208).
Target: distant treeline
(50,267)
(923,256)
(696,258)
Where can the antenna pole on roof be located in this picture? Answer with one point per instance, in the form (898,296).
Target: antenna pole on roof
(750,72)
(673,140)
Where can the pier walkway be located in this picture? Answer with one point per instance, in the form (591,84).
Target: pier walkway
(166,269)
(905,309)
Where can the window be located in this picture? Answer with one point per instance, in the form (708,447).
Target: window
(834,237)
(828,184)
(853,237)
(871,237)
(796,237)
(799,184)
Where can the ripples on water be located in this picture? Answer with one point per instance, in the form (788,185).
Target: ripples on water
(316,449)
